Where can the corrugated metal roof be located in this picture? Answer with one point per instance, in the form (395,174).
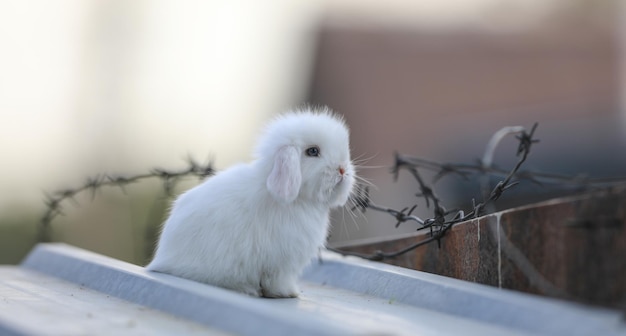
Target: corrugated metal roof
(63,290)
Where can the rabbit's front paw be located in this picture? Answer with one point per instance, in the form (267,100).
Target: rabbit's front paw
(277,287)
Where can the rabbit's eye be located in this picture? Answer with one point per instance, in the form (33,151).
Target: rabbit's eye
(313,151)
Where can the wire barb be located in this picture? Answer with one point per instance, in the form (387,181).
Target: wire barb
(53,202)
(443,220)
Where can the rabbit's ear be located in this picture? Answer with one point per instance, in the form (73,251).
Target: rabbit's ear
(285,179)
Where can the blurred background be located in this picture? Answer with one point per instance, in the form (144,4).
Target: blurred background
(92,87)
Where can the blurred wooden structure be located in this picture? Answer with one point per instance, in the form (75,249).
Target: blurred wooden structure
(441,94)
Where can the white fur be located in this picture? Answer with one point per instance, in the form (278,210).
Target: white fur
(254,227)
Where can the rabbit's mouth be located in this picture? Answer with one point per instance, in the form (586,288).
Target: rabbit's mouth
(341,189)
(341,179)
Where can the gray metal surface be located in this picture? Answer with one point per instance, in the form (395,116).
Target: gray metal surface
(63,290)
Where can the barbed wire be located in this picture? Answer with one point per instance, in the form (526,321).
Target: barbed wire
(443,219)
(438,225)
(54,202)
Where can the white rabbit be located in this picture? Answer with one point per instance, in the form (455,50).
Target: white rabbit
(254,227)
